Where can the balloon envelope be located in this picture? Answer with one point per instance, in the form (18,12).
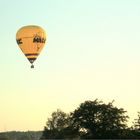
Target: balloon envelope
(31,39)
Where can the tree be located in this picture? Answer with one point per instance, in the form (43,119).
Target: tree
(135,129)
(94,119)
(136,125)
(58,120)
(58,126)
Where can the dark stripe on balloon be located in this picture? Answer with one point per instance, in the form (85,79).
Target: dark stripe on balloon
(29,54)
(31,60)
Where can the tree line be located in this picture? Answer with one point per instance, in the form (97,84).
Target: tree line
(18,135)
(91,120)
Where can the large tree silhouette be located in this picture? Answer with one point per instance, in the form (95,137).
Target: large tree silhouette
(96,119)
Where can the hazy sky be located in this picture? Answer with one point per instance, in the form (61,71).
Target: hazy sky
(92,51)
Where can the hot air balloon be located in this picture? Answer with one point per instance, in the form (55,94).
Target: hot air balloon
(31,39)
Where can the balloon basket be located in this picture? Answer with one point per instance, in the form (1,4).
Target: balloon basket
(32,66)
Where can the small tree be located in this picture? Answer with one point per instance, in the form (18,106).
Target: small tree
(58,120)
(136,125)
(135,129)
(58,126)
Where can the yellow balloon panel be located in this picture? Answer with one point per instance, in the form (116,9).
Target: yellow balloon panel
(31,39)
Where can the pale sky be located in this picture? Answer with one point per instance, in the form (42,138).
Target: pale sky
(92,51)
